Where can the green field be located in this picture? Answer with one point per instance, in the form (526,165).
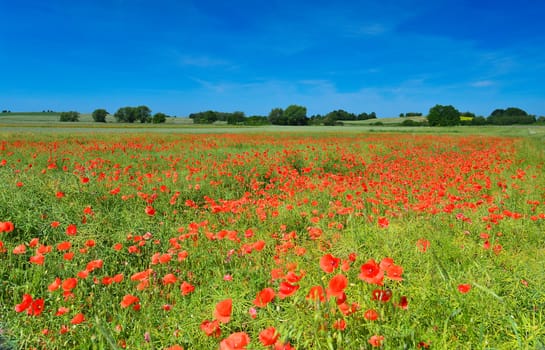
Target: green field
(36,122)
(151,236)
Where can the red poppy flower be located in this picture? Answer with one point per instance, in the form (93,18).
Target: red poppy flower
(169,279)
(71,230)
(139,276)
(69,284)
(422,244)
(186,288)
(316,293)
(403,303)
(376,340)
(36,307)
(93,265)
(25,304)
(286,289)
(54,285)
(20,249)
(175,347)
(371,315)
(259,245)
(337,285)
(211,328)
(79,318)
(291,277)
(339,324)
(268,336)
(128,300)
(236,341)
(264,297)
(223,310)
(394,272)
(6,226)
(328,263)
(64,246)
(383,295)
(372,273)
(37,259)
(68,256)
(150,211)
(464,288)
(62,310)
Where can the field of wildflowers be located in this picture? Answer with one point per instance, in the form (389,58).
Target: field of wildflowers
(271,241)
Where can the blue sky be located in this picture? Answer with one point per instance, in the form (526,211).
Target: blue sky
(179,57)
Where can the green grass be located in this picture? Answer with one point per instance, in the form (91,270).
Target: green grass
(216,195)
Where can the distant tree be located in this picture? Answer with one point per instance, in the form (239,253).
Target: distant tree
(339,114)
(143,114)
(443,116)
(511,115)
(401,115)
(71,116)
(256,120)
(235,118)
(125,115)
(207,117)
(365,116)
(276,117)
(296,115)
(479,120)
(466,118)
(159,118)
(99,115)
(410,122)
(330,119)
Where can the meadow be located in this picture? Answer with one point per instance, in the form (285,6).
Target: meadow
(272,238)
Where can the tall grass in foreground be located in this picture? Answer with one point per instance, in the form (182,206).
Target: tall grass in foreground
(271,241)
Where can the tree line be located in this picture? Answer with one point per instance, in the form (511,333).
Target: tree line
(438,115)
(291,115)
(127,114)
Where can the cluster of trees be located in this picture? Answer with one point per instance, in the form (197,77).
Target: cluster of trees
(71,116)
(336,117)
(292,115)
(410,114)
(6,111)
(209,117)
(141,114)
(511,115)
(449,116)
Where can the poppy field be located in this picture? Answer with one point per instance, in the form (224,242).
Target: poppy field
(271,241)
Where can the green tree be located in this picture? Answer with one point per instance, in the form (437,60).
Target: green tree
(443,116)
(159,118)
(143,114)
(276,117)
(125,115)
(511,115)
(236,118)
(99,115)
(296,115)
(207,117)
(71,116)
